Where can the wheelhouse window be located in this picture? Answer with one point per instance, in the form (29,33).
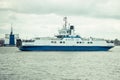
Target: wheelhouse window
(53,41)
(62,42)
(79,42)
(90,42)
(28,40)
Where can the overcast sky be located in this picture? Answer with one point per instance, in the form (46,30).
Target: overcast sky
(33,18)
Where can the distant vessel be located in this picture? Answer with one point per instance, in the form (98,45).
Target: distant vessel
(66,40)
(10,39)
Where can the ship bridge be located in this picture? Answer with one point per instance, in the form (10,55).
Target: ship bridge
(67,31)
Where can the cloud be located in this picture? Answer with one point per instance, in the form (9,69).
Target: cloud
(44,17)
(93,8)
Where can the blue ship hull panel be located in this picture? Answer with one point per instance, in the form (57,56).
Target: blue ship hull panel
(65,48)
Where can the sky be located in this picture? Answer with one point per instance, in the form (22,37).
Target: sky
(35,18)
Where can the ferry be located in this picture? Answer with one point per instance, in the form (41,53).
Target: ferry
(65,40)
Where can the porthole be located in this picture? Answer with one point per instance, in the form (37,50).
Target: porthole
(63,41)
(60,41)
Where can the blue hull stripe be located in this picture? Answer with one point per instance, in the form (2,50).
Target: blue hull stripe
(65,48)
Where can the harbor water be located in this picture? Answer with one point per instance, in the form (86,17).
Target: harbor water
(20,65)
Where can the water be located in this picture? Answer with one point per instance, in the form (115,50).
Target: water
(18,65)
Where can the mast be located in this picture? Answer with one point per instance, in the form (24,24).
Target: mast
(11,33)
(65,24)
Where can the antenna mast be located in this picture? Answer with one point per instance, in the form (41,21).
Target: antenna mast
(65,20)
(11,29)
